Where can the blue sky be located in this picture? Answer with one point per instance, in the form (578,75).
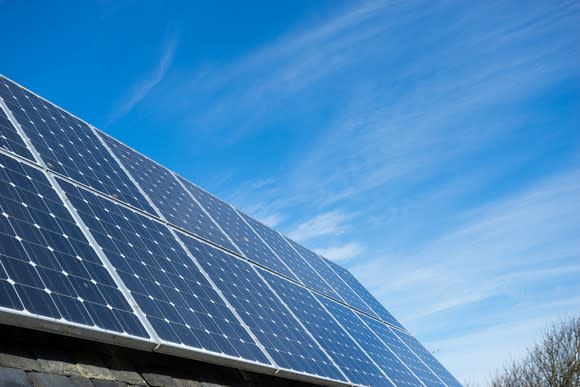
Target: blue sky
(430,147)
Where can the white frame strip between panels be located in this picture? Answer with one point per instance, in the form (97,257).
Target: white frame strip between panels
(186,250)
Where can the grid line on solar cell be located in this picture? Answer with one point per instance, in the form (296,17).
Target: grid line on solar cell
(291,346)
(383,356)
(289,256)
(364,294)
(165,192)
(174,295)
(239,232)
(67,144)
(48,267)
(345,293)
(332,337)
(413,362)
(428,359)
(10,139)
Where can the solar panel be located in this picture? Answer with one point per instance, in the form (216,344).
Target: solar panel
(345,293)
(100,241)
(168,195)
(9,138)
(291,258)
(383,356)
(68,146)
(48,268)
(178,301)
(251,246)
(284,338)
(388,336)
(364,294)
(351,359)
(427,358)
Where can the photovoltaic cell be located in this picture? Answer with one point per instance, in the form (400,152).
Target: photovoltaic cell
(341,289)
(428,359)
(364,294)
(168,195)
(176,298)
(293,260)
(388,337)
(346,354)
(10,139)
(285,340)
(373,346)
(242,235)
(68,145)
(48,268)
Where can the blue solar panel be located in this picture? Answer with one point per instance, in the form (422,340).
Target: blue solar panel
(428,359)
(163,276)
(375,348)
(47,267)
(388,337)
(285,340)
(168,195)
(68,145)
(342,291)
(347,355)
(293,260)
(10,139)
(176,298)
(365,295)
(234,226)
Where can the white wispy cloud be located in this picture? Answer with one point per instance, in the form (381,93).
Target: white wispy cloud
(143,86)
(341,253)
(332,222)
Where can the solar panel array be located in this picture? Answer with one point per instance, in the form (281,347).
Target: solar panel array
(99,241)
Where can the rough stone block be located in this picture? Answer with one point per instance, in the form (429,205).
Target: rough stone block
(129,377)
(11,377)
(186,383)
(19,361)
(57,367)
(156,380)
(94,372)
(108,383)
(48,380)
(79,381)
